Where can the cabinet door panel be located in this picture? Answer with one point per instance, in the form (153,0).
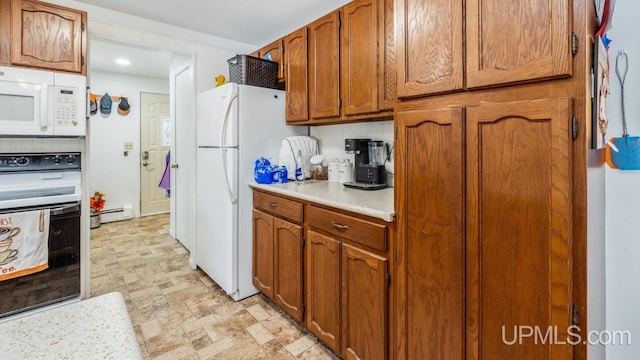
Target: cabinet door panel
(510,41)
(430,233)
(46,36)
(364,304)
(324,67)
(5,32)
(429,46)
(273,52)
(518,268)
(263,252)
(323,288)
(288,267)
(359,57)
(296,65)
(387,53)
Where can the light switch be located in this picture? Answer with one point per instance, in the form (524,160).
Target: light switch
(128,146)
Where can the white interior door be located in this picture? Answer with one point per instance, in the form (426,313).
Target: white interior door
(184,161)
(154,147)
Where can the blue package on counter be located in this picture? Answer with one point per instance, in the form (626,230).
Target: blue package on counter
(262,171)
(280,174)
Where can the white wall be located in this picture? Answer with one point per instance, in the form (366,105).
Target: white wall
(110,171)
(623,191)
(331,139)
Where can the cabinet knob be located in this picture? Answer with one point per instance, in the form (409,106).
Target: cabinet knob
(339,226)
(273,205)
(174,166)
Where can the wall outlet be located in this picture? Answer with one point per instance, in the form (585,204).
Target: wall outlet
(128,146)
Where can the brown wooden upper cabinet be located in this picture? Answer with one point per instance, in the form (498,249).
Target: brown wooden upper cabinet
(324,67)
(296,74)
(44,36)
(273,52)
(350,64)
(359,45)
(505,42)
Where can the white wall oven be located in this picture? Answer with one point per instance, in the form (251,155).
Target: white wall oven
(42,103)
(39,184)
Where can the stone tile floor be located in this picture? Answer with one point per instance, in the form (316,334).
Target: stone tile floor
(180,313)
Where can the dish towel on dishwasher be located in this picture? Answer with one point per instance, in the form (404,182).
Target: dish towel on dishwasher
(24,243)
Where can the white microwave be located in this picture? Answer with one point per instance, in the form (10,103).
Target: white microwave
(42,103)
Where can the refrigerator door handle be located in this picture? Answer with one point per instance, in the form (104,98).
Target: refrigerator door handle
(223,152)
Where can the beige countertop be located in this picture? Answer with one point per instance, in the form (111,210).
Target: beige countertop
(96,328)
(374,203)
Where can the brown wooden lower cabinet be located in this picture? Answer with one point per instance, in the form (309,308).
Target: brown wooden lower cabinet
(263,252)
(364,304)
(346,273)
(323,288)
(287,267)
(277,259)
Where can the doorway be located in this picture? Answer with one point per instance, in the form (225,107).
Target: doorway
(151,71)
(154,152)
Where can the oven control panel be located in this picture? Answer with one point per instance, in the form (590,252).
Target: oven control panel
(39,162)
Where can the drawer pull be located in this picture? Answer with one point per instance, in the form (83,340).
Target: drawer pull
(273,205)
(339,227)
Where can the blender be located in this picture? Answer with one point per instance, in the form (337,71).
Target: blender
(369,163)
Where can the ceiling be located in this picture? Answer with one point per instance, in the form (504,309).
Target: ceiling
(248,21)
(255,22)
(143,62)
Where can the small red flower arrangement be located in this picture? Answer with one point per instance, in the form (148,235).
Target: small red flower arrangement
(96,202)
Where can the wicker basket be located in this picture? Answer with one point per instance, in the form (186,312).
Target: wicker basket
(249,70)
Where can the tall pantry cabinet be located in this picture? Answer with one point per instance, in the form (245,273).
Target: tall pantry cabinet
(490,177)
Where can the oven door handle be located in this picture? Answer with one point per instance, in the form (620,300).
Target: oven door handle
(65,209)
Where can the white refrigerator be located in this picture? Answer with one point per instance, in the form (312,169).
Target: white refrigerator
(236,125)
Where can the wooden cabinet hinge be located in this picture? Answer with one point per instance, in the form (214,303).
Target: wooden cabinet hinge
(339,103)
(388,279)
(395,133)
(82,27)
(339,23)
(574,44)
(575,316)
(574,127)
(303,308)
(82,60)
(303,242)
(593,84)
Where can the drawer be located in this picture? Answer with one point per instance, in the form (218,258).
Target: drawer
(276,205)
(352,228)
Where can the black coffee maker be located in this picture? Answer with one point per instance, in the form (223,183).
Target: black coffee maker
(370,173)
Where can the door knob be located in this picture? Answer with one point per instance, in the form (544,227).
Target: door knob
(174,166)
(145,163)
(145,155)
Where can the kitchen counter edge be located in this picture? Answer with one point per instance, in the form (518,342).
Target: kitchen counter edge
(375,203)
